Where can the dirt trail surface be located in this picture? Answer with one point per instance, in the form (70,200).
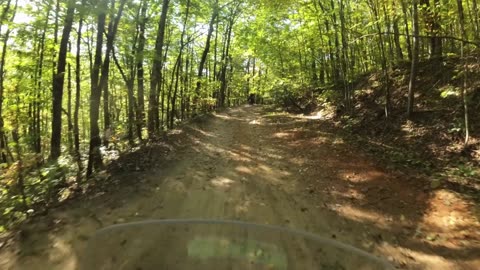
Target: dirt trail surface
(251,165)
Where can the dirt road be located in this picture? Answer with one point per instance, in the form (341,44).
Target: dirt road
(249,165)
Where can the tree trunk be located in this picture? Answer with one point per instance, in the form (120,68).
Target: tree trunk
(345,58)
(69,104)
(99,83)
(436,42)
(76,132)
(129,81)
(140,70)
(58,82)
(3,141)
(215,52)
(461,16)
(37,104)
(201,66)
(223,72)
(396,35)
(94,156)
(179,64)
(386,78)
(476,19)
(407,34)
(416,49)
(156,77)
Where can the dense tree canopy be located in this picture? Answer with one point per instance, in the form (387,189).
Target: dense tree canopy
(79,77)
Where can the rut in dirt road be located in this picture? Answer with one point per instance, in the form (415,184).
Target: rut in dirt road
(250,165)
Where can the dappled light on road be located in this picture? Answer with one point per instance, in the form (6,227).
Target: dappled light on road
(248,164)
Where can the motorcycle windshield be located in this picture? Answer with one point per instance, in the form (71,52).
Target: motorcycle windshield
(199,244)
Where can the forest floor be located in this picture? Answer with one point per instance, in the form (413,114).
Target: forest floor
(256,165)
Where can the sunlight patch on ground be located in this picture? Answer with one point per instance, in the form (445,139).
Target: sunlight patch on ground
(350,194)
(217,150)
(299,162)
(449,211)
(204,133)
(422,259)
(222,116)
(246,147)
(62,250)
(265,168)
(228,117)
(272,155)
(222,182)
(362,215)
(317,116)
(243,169)
(255,122)
(239,157)
(273,176)
(282,135)
(242,208)
(176,131)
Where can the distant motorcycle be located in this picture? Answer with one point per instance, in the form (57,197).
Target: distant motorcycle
(207,244)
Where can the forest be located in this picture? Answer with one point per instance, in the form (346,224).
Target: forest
(84,82)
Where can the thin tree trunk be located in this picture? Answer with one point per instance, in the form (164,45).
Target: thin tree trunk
(58,82)
(78,74)
(179,64)
(463,31)
(476,19)
(407,33)
(415,53)
(215,55)
(140,71)
(69,104)
(201,66)
(16,139)
(3,141)
(396,37)
(129,81)
(223,72)
(437,45)
(386,78)
(37,104)
(345,58)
